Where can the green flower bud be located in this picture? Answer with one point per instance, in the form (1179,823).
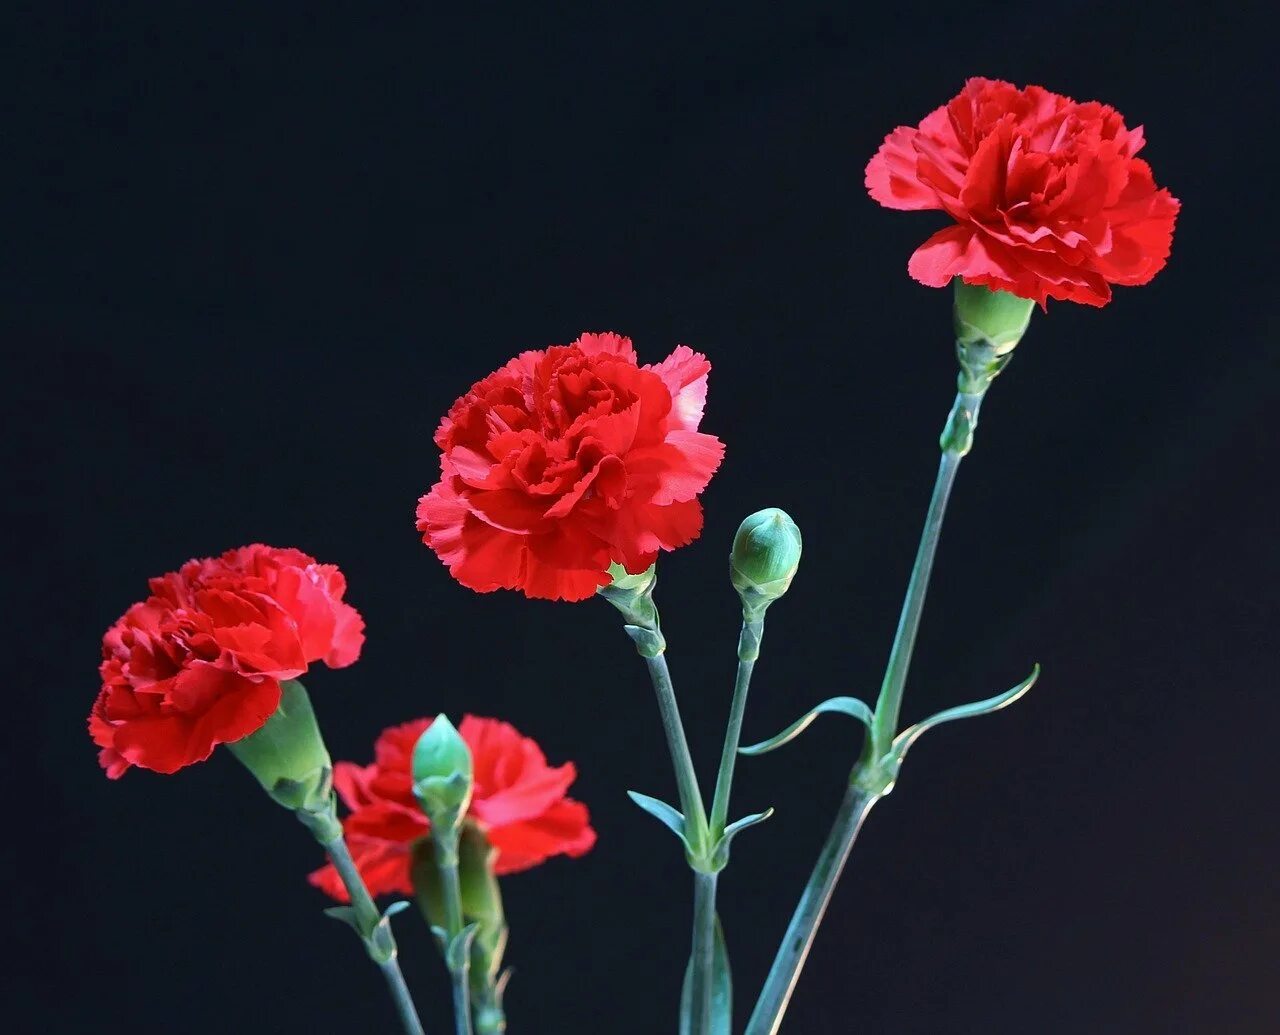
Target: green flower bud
(766,554)
(442,772)
(287,755)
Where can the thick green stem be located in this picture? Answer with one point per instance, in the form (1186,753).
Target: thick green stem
(703,955)
(681,760)
(781,982)
(369,921)
(748,652)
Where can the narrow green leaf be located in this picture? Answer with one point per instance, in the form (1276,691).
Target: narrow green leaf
(850,706)
(721,989)
(662,812)
(720,851)
(746,821)
(911,734)
(346,915)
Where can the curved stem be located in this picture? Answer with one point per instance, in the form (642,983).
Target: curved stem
(748,651)
(369,920)
(794,950)
(703,954)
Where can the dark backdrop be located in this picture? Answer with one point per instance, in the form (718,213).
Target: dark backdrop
(259,252)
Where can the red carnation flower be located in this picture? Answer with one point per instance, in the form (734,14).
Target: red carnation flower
(567,459)
(199,662)
(519,801)
(1048,198)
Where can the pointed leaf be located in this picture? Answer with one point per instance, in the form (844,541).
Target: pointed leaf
(850,706)
(394,908)
(720,852)
(721,990)
(746,821)
(346,915)
(458,956)
(903,741)
(662,812)
(442,939)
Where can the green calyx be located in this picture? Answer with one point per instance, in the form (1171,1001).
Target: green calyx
(442,772)
(988,325)
(288,757)
(995,318)
(765,557)
(632,596)
(624,581)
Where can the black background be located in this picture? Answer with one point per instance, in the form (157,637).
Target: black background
(258,253)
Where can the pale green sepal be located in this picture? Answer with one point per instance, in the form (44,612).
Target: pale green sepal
(721,989)
(457,954)
(903,741)
(720,852)
(746,821)
(850,706)
(344,914)
(669,817)
(378,941)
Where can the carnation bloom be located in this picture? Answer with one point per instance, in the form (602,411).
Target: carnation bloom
(568,459)
(1047,196)
(199,662)
(518,801)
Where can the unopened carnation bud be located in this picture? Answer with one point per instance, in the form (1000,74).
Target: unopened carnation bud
(766,554)
(442,772)
(288,756)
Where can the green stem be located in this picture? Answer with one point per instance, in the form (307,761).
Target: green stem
(703,955)
(445,837)
(889,703)
(369,921)
(781,982)
(681,760)
(748,652)
(873,777)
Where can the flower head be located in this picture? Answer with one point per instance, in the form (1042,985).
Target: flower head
(519,802)
(1048,198)
(566,460)
(200,661)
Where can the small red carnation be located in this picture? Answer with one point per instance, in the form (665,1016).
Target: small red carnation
(199,662)
(519,801)
(1047,196)
(568,459)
